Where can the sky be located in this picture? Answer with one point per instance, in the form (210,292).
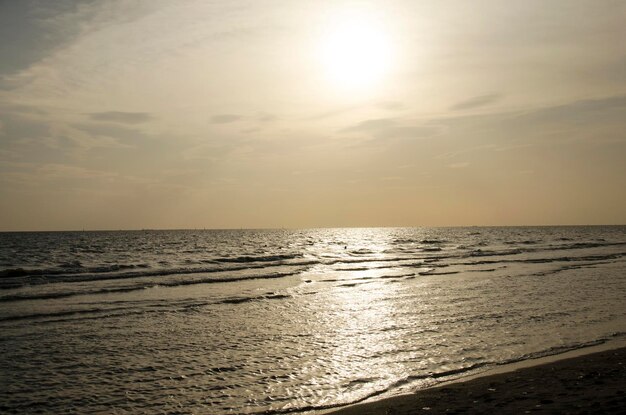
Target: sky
(130,114)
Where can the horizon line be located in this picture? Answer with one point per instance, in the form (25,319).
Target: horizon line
(309,228)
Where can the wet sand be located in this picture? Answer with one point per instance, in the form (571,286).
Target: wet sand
(589,384)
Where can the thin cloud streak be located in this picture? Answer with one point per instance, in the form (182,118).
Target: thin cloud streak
(477,102)
(225,118)
(121,117)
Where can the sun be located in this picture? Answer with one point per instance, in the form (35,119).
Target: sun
(355,52)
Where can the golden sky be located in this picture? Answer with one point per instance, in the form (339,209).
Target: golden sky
(125,114)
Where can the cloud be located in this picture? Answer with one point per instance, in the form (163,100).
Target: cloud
(459,165)
(392,105)
(76,140)
(224,118)
(30,35)
(372,125)
(597,115)
(121,117)
(18,109)
(335,112)
(19,128)
(476,102)
(601,109)
(265,117)
(54,171)
(389,128)
(42,175)
(385,105)
(600,118)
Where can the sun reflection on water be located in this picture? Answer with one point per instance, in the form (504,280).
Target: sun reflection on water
(356,321)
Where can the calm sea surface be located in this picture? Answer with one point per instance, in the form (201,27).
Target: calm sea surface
(279,321)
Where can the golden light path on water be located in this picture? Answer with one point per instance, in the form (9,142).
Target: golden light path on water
(359,320)
(368,311)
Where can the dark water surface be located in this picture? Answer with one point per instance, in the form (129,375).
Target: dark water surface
(277,321)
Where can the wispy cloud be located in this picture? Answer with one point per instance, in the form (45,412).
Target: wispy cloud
(225,118)
(336,111)
(392,128)
(75,140)
(265,117)
(33,175)
(579,111)
(121,117)
(460,165)
(28,24)
(476,102)
(392,105)
(65,171)
(372,125)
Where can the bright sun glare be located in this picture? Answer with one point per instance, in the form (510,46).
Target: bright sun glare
(355,52)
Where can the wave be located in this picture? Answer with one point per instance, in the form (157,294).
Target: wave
(547,260)
(335,261)
(268,258)
(480,252)
(108,312)
(527,247)
(525,242)
(38,278)
(52,314)
(404,241)
(66,268)
(439,273)
(366,279)
(241,300)
(63,294)
(31,278)
(74,271)
(579,245)
(361,251)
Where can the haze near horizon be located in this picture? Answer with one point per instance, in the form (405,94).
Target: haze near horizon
(120,114)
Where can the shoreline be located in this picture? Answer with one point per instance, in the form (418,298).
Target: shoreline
(586,380)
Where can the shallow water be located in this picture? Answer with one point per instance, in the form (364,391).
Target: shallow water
(290,320)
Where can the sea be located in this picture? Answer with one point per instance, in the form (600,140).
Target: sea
(290,321)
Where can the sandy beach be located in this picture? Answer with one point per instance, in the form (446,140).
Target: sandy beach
(589,384)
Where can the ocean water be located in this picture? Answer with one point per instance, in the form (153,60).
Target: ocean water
(288,321)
